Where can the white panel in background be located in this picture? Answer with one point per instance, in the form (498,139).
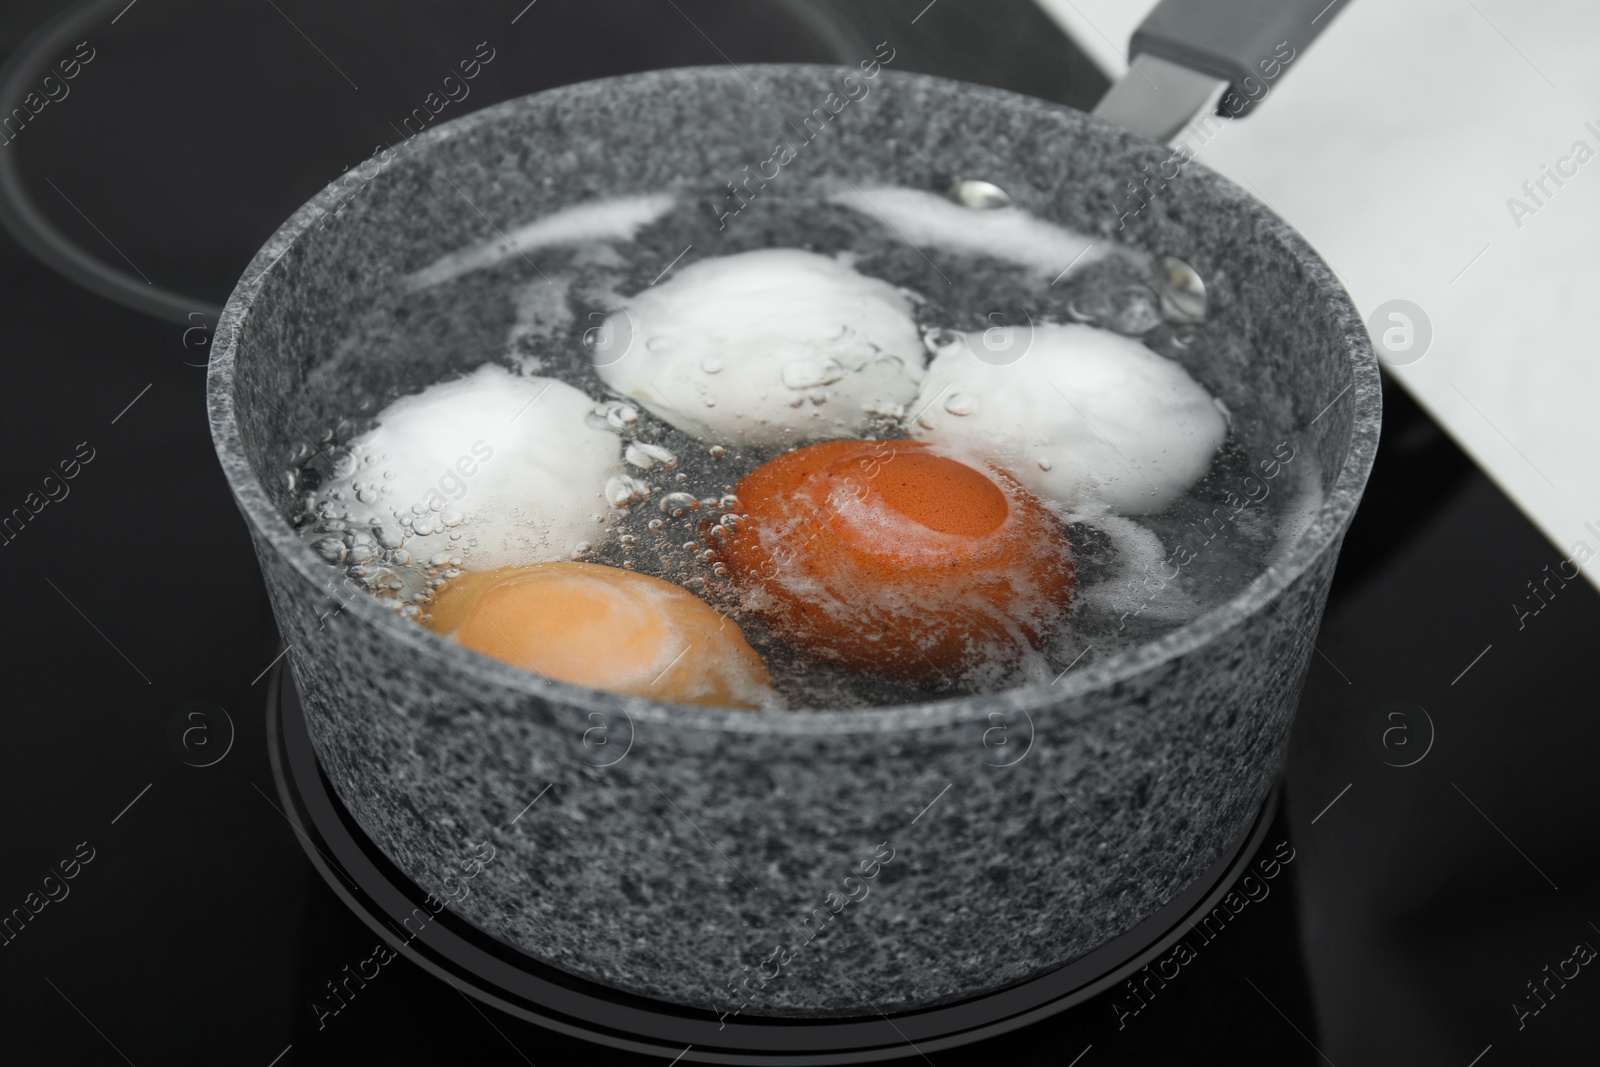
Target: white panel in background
(1399,144)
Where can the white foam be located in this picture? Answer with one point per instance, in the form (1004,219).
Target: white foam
(1009,233)
(777,346)
(616,219)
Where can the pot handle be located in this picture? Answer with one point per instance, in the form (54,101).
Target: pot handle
(1185,51)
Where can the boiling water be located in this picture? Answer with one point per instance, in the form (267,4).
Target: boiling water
(544,312)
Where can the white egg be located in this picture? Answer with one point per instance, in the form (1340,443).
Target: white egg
(1083,415)
(509,462)
(777,346)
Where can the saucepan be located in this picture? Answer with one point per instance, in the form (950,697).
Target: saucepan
(830,863)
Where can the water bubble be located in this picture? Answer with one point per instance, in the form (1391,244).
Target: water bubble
(961,404)
(399,557)
(367,495)
(1181,289)
(690,546)
(978,194)
(620,416)
(656,524)
(439,560)
(717,451)
(648,457)
(675,504)
(621,490)
(581,547)
(452,516)
(331,549)
(808,373)
(1045,464)
(711,365)
(388,536)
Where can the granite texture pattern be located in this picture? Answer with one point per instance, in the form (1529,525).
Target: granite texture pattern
(678,869)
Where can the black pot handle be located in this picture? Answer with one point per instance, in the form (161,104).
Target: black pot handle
(1187,51)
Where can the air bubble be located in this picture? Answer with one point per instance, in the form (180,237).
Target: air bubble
(802,374)
(978,195)
(961,404)
(647,456)
(622,491)
(620,416)
(331,549)
(1181,289)
(675,504)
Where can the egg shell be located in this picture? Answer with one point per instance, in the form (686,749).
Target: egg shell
(508,461)
(771,347)
(898,558)
(607,628)
(1084,415)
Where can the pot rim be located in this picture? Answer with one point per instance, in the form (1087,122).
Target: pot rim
(1320,534)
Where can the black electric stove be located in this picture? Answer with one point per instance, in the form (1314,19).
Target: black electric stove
(1433,840)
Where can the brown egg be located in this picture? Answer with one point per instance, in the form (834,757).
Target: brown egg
(604,627)
(898,558)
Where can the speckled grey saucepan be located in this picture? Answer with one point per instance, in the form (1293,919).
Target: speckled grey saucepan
(696,868)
